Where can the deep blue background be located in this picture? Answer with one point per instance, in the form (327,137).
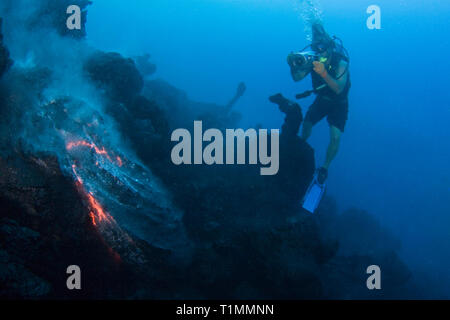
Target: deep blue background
(396,149)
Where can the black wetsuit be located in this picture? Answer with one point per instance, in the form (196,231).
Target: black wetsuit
(328,103)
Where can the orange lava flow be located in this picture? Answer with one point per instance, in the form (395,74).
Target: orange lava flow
(102,151)
(97,213)
(101,215)
(83,143)
(91,214)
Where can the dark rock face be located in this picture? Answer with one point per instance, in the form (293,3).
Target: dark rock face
(45,227)
(139,119)
(145,67)
(258,264)
(362,242)
(116,75)
(15,279)
(182,111)
(42,217)
(5,61)
(143,120)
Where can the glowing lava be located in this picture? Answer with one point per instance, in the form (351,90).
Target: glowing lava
(101,215)
(90,145)
(83,143)
(91,214)
(97,213)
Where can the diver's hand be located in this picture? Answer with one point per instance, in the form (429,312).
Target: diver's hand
(319,68)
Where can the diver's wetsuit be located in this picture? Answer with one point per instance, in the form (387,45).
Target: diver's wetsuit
(328,103)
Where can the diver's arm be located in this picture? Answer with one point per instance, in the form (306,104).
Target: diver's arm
(337,85)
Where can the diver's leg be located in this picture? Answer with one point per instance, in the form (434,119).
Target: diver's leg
(307,129)
(316,112)
(333,147)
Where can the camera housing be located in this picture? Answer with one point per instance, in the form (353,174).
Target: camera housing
(301,64)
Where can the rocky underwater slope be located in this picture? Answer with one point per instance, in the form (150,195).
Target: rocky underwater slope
(86,179)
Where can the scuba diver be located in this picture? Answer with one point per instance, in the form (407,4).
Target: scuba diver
(328,64)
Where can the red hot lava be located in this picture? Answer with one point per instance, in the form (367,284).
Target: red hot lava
(97,214)
(102,151)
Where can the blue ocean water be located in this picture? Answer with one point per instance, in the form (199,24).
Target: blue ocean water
(395,152)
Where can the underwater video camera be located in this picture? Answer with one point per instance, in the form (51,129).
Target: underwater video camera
(301,63)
